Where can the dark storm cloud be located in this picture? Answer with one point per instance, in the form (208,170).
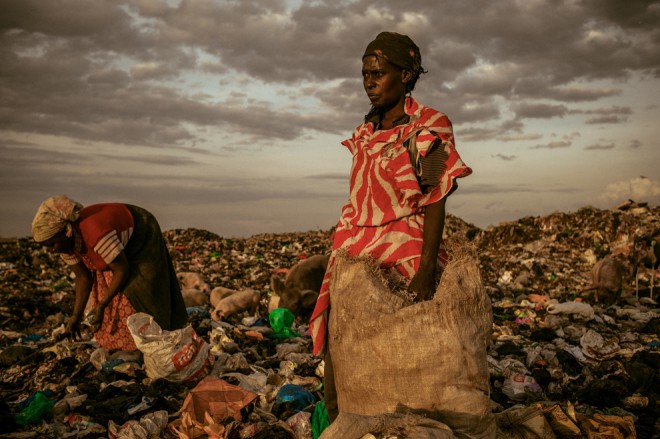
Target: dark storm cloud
(507,131)
(539,111)
(97,70)
(607,115)
(519,137)
(605,119)
(558,144)
(476,134)
(581,94)
(181,82)
(63,18)
(600,146)
(475,111)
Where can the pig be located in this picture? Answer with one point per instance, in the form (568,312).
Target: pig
(191,279)
(194,297)
(219,293)
(607,280)
(238,302)
(300,289)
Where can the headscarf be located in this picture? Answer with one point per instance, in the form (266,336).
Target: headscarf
(398,49)
(53,216)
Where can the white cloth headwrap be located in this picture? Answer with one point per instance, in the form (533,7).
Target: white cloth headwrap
(54,215)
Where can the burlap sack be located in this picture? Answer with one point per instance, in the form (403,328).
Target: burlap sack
(427,358)
(352,426)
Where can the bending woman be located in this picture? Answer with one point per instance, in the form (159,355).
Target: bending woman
(121,263)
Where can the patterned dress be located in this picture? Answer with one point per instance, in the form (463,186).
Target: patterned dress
(384,216)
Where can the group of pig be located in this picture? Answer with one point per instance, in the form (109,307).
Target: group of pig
(297,292)
(300,287)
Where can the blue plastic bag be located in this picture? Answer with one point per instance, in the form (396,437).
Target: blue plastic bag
(295,397)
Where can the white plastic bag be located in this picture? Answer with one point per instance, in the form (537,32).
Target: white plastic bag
(517,385)
(149,426)
(178,355)
(578,309)
(594,346)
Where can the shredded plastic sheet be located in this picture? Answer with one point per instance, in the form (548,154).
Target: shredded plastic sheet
(218,398)
(208,404)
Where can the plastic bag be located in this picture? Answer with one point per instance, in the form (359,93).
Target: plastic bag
(517,385)
(300,425)
(217,398)
(596,347)
(281,320)
(578,309)
(178,355)
(38,407)
(320,420)
(149,426)
(294,397)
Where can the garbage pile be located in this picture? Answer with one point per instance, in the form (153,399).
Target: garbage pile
(563,361)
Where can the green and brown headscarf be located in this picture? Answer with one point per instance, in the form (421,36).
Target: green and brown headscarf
(399,50)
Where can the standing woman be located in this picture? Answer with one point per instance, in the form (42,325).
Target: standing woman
(121,263)
(404,167)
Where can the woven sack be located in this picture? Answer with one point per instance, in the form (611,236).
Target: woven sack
(428,358)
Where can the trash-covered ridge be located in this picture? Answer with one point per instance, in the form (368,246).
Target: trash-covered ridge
(589,359)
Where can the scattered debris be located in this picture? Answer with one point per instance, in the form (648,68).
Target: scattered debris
(558,361)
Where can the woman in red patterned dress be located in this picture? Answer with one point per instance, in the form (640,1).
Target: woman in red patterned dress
(404,167)
(121,263)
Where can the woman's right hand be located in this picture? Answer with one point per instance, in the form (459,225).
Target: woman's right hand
(72,329)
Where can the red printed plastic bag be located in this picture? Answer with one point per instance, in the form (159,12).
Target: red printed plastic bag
(178,355)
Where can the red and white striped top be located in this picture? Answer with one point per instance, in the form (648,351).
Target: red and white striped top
(102,231)
(384,216)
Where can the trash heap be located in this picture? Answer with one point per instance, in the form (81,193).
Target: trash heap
(561,364)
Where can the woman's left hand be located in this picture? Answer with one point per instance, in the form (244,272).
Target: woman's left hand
(423,284)
(95,317)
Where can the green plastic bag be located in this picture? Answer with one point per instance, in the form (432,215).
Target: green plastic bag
(38,408)
(320,420)
(281,320)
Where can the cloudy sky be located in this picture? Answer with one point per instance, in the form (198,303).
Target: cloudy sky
(228,115)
